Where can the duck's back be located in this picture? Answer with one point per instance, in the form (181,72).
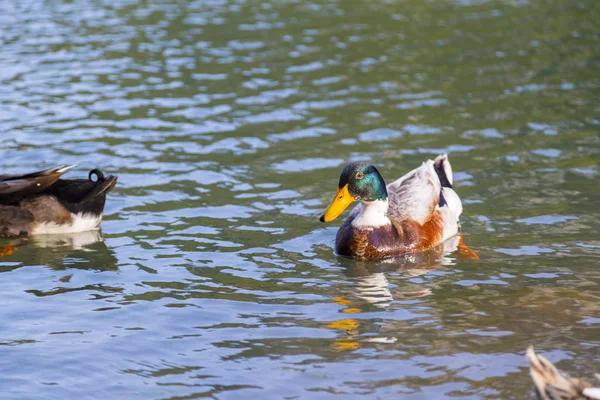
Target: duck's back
(417,195)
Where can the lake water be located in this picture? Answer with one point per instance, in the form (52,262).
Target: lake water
(228,123)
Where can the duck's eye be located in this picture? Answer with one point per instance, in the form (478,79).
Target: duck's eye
(360,175)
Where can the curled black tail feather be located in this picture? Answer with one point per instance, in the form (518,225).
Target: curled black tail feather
(83,195)
(98,173)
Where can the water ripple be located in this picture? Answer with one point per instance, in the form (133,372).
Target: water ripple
(227,123)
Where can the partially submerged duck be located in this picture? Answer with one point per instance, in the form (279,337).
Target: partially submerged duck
(552,384)
(414,213)
(41,202)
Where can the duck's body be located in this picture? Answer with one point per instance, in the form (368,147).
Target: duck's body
(552,384)
(41,202)
(414,213)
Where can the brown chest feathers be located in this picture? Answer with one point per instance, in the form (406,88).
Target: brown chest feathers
(398,238)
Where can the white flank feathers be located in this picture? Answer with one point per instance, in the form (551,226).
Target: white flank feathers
(80,222)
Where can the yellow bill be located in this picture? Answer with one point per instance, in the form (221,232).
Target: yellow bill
(340,202)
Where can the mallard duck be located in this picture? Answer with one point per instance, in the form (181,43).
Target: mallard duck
(41,202)
(552,384)
(413,213)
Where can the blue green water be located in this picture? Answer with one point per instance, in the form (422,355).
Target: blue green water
(228,123)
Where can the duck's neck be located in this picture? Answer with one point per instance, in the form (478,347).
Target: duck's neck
(373,214)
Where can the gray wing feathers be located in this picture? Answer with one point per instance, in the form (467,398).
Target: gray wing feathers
(415,195)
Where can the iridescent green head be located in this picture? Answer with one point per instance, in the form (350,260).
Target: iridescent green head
(364,182)
(358,181)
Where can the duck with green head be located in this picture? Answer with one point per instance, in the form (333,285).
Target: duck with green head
(413,213)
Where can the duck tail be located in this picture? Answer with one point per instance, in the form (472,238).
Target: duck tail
(443,169)
(83,195)
(103,184)
(448,196)
(93,192)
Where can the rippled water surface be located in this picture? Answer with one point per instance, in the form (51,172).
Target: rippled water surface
(228,123)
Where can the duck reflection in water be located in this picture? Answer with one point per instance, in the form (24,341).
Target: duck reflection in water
(82,250)
(373,286)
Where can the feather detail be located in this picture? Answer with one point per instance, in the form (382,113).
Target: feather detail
(552,384)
